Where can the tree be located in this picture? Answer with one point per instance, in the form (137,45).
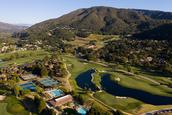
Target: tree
(24,92)
(48,112)
(41,106)
(39,89)
(46,58)
(17,90)
(44,72)
(16,77)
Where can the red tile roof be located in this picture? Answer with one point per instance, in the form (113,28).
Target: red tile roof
(61,101)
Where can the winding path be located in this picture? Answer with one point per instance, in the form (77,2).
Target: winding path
(67,78)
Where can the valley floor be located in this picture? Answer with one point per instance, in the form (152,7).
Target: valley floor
(142,81)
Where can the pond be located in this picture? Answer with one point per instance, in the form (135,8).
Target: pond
(84,80)
(113,88)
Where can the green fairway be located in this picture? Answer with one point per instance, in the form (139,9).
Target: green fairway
(76,67)
(22,57)
(127,104)
(3,110)
(12,106)
(97,79)
(15,107)
(142,84)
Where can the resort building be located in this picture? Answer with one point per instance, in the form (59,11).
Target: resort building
(61,101)
(28,77)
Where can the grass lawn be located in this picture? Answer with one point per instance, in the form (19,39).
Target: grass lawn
(3,110)
(142,84)
(97,79)
(121,104)
(99,40)
(129,105)
(24,57)
(14,106)
(76,67)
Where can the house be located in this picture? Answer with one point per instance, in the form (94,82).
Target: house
(3,77)
(61,101)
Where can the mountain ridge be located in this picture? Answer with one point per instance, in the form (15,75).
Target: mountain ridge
(104,20)
(6,27)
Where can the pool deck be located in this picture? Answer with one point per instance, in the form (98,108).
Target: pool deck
(51,93)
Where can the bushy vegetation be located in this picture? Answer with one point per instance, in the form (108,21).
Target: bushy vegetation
(49,66)
(15,107)
(149,54)
(162,32)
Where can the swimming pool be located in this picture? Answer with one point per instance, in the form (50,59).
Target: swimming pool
(81,111)
(56,93)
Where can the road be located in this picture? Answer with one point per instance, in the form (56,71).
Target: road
(162,111)
(67,78)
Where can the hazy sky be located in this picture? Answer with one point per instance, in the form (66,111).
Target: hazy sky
(33,11)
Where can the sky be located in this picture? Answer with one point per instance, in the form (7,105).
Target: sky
(34,11)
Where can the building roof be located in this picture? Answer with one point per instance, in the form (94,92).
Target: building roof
(61,101)
(28,77)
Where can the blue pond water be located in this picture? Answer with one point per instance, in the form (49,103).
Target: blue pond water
(84,81)
(117,90)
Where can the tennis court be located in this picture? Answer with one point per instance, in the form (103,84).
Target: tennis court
(48,82)
(28,86)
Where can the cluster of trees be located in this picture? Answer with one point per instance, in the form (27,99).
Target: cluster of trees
(162,32)
(38,106)
(86,53)
(147,53)
(16,55)
(20,34)
(49,66)
(150,54)
(83,34)
(63,34)
(10,73)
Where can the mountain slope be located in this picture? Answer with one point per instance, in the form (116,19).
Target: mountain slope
(104,20)
(156,14)
(4,27)
(163,32)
